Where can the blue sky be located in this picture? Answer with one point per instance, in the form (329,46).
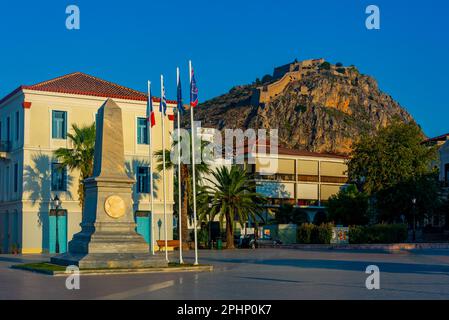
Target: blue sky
(232,42)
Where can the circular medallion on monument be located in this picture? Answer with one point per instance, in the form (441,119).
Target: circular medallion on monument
(114,207)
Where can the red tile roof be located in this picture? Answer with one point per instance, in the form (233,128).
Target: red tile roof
(443,137)
(84,84)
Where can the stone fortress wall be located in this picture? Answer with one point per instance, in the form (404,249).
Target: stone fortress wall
(285,74)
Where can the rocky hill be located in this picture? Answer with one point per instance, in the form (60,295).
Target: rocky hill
(315,106)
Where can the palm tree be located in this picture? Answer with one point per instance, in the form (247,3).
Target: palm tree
(186,184)
(81,156)
(232,198)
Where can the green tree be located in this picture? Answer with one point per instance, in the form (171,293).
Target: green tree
(81,156)
(349,207)
(186,184)
(233,198)
(284,214)
(320,218)
(396,201)
(393,155)
(300,216)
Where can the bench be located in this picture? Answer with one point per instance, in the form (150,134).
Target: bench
(174,244)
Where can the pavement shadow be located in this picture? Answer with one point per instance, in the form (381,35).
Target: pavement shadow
(344,265)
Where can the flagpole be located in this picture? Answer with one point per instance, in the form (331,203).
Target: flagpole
(179,176)
(193,134)
(150,127)
(162,107)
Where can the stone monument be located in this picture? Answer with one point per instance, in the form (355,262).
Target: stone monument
(108,238)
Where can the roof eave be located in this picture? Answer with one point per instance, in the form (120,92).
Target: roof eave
(10,95)
(29,89)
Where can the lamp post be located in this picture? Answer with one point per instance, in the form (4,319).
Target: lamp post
(211,245)
(159,225)
(414,218)
(57,203)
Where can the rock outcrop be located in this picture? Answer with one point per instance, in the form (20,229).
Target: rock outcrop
(315,106)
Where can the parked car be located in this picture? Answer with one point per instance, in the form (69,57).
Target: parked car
(250,241)
(267,241)
(246,241)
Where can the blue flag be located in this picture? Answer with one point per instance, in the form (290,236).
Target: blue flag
(163,104)
(179,96)
(193,92)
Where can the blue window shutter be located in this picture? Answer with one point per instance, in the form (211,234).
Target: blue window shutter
(142,131)
(53,125)
(139,134)
(64,134)
(16,177)
(64,179)
(146,132)
(147,180)
(17,125)
(143,181)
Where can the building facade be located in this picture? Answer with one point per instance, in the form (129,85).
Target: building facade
(441,142)
(301,178)
(34,122)
(444,163)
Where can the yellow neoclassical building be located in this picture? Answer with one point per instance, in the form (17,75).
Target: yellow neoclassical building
(34,122)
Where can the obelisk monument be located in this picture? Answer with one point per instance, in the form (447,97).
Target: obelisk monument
(108,238)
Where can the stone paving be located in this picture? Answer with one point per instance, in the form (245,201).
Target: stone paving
(252,274)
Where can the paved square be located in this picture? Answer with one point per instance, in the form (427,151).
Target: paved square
(252,274)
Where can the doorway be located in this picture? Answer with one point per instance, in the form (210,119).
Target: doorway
(446,173)
(5,232)
(57,222)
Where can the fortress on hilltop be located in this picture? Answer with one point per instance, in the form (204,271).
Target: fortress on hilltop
(282,76)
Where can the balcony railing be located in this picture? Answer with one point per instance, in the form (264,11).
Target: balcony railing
(275,177)
(331,179)
(308,203)
(301,178)
(5,146)
(307,178)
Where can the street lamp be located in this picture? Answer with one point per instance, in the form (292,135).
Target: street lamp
(57,203)
(211,244)
(414,218)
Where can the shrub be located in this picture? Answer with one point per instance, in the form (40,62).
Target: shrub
(300,108)
(380,233)
(353,68)
(309,233)
(322,234)
(341,70)
(339,64)
(357,234)
(203,237)
(325,66)
(304,233)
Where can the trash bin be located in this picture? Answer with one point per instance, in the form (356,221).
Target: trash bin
(219,244)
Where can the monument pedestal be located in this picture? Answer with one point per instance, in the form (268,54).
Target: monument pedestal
(110,261)
(108,238)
